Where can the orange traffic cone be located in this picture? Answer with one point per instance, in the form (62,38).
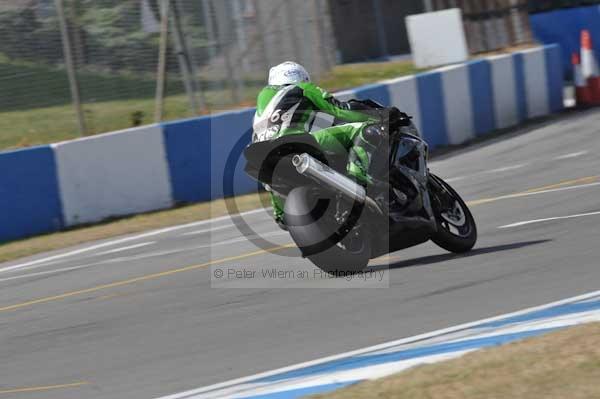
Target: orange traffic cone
(589,67)
(583,95)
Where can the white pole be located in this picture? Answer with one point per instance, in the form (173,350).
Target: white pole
(73,83)
(240,29)
(226,44)
(184,60)
(210,29)
(261,36)
(162,61)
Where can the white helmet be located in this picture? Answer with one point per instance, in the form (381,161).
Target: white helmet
(288,73)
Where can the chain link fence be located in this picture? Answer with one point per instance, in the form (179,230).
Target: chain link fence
(71,67)
(106,55)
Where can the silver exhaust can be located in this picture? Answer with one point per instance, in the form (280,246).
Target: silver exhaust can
(316,170)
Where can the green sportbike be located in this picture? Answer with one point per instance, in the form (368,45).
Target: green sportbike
(340,224)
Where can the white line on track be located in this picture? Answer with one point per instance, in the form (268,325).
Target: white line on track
(48,272)
(487,172)
(455,179)
(209,230)
(379,347)
(515,167)
(528,194)
(506,168)
(121,249)
(247,238)
(571,155)
(126,239)
(141,256)
(548,219)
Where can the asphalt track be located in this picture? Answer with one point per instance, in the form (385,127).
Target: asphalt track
(138,318)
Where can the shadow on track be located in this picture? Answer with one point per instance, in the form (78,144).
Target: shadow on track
(429,260)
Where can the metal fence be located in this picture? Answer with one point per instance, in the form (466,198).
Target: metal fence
(112,57)
(100,65)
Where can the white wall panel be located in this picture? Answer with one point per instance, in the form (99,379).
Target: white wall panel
(345,95)
(457,99)
(405,95)
(505,92)
(536,82)
(113,174)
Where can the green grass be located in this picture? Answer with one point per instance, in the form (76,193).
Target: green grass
(32,116)
(58,123)
(352,75)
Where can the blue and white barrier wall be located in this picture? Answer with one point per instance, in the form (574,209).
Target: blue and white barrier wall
(48,188)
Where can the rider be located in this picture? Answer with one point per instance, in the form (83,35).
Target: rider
(289,104)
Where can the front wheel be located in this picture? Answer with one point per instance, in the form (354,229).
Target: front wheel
(457,231)
(310,219)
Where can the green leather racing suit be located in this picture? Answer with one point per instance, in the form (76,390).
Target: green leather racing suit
(292,109)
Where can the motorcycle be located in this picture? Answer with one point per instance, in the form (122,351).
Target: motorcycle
(340,225)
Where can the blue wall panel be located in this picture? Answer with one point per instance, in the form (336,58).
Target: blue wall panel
(519,65)
(433,112)
(555,78)
(231,133)
(188,145)
(376,92)
(482,96)
(29,195)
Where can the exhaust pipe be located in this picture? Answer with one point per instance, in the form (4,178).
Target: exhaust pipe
(321,173)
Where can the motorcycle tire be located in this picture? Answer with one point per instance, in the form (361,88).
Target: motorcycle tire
(309,217)
(457,230)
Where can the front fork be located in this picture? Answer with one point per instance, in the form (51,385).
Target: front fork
(420,179)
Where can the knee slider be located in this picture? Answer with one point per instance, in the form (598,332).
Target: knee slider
(373,134)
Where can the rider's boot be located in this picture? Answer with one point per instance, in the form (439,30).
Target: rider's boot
(397,204)
(390,199)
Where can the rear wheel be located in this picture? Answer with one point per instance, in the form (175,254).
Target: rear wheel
(457,231)
(310,218)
